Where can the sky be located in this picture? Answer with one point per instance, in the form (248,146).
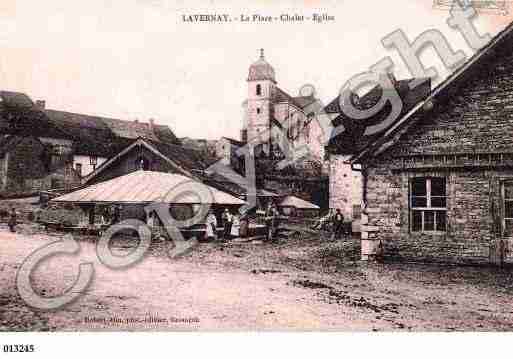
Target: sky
(137,59)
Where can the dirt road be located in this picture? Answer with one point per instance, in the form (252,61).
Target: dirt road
(299,284)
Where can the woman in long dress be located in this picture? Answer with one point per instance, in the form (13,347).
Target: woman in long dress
(235,231)
(211,223)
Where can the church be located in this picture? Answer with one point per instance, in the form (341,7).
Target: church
(272,116)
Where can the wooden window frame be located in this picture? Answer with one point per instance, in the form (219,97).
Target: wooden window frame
(428,207)
(503,206)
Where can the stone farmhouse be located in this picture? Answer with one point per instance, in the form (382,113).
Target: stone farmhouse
(439,182)
(42,149)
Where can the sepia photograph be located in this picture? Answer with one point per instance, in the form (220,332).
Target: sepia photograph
(229,167)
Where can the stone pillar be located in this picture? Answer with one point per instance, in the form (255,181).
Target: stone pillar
(371,246)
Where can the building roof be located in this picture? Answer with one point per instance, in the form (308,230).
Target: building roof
(104,137)
(445,89)
(150,187)
(190,158)
(353,138)
(188,161)
(261,70)
(19,116)
(293,201)
(301,102)
(235,142)
(224,184)
(15,99)
(91,135)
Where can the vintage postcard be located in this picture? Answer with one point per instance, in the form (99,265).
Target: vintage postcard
(228,166)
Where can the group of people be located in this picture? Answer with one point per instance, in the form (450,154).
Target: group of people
(230,223)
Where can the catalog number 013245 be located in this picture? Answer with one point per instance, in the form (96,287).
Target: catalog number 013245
(18,348)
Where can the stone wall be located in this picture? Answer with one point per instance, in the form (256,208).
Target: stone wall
(468,136)
(30,167)
(471,199)
(345,185)
(475,117)
(224,151)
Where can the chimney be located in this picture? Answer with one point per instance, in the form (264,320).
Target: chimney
(41,104)
(151,123)
(136,120)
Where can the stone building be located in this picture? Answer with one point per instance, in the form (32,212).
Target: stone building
(227,151)
(439,182)
(34,153)
(346,180)
(43,149)
(208,147)
(96,138)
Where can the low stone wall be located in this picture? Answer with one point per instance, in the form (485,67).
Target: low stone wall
(436,250)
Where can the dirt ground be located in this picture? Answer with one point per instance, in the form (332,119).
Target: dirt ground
(303,282)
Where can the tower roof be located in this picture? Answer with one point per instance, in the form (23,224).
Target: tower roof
(261,70)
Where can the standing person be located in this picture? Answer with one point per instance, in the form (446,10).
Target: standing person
(150,221)
(338,224)
(227,220)
(13,221)
(116,217)
(271,221)
(244,225)
(235,231)
(211,223)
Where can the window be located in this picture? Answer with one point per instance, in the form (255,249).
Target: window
(428,203)
(258,110)
(59,150)
(259,90)
(507,196)
(142,163)
(78,168)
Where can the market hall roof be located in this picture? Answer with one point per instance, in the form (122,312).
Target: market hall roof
(148,187)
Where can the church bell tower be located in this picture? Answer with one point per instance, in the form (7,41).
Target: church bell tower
(259,107)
